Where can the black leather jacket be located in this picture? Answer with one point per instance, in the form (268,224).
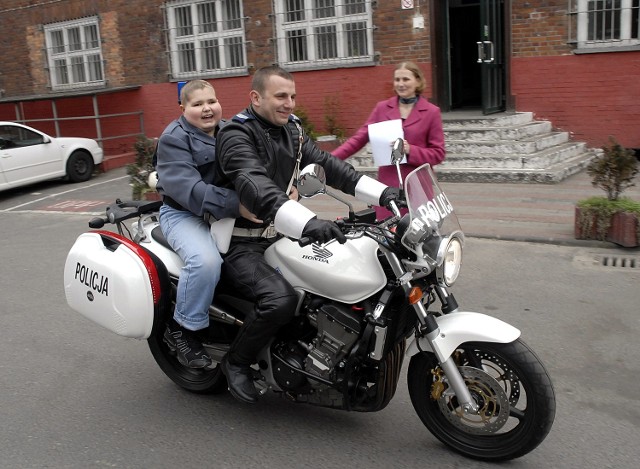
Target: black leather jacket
(258,159)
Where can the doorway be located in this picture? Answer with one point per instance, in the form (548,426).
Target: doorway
(469,60)
(465,77)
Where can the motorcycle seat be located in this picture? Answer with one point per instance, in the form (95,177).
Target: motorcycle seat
(158,236)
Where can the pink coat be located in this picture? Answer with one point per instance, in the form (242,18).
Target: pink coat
(422,129)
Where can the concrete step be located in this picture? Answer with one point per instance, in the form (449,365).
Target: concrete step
(504,147)
(454,120)
(523,146)
(486,133)
(537,160)
(549,175)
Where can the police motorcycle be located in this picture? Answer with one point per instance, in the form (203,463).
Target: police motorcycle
(364,307)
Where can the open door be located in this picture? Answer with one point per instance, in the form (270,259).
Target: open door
(469,64)
(491,56)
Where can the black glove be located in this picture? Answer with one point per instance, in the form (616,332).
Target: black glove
(322,231)
(392,193)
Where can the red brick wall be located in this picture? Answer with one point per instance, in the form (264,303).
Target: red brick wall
(133,39)
(132,35)
(539,28)
(591,95)
(134,50)
(351,96)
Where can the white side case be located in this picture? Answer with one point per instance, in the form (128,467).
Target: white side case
(107,282)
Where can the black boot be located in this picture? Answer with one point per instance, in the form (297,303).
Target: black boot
(240,380)
(253,336)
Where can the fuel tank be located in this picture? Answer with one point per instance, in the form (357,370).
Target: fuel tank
(348,272)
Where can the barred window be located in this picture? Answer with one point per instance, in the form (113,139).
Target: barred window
(206,38)
(605,24)
(74,54)
(323,33)
(294,10)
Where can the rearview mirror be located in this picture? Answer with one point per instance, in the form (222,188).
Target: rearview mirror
(397,151)
(312,181)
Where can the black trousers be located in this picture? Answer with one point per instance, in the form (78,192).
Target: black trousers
(245,270)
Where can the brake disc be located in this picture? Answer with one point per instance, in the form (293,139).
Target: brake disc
(492,400)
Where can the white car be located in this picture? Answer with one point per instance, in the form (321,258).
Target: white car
(28,155)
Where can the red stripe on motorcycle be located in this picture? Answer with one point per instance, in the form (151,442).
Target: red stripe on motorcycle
(144,256)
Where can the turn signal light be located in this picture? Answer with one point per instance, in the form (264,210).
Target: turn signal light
(415,295)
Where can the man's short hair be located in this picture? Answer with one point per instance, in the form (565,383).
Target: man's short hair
(261,76)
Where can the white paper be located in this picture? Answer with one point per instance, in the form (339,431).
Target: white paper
(381,137)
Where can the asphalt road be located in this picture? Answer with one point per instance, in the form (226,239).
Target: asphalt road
(74,395)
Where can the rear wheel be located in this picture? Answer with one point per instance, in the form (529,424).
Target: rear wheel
(80,166)
(508,383)
(208,380)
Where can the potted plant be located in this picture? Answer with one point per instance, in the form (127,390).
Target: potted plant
(612,218)
(141,168)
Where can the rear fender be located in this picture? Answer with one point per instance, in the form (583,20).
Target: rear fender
(458,328)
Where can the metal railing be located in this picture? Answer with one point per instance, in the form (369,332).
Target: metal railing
(96,117)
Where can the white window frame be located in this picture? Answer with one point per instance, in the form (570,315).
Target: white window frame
(623,24)
(74,54)
(340,21)
(199,38)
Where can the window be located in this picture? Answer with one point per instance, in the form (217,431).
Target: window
(324,33)
(12,136)
(206,38)
(607,23)
(74,54)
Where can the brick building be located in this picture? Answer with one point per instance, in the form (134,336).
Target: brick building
(573,62)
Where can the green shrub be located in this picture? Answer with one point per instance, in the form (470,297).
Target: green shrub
(308,127)
(614,170)
(603,204)
(596,212)
(139,170)
(331,104)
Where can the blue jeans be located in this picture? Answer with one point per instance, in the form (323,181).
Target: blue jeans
(189,236)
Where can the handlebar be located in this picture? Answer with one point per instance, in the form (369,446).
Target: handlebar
(363,220)
(305,241)
(123,210)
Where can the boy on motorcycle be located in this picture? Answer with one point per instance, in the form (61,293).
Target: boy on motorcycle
(185,165)
(259,153)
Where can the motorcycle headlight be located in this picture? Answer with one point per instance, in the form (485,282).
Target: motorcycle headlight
(451,260)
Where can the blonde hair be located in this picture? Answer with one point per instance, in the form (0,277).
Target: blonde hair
(417,73)
(191,86)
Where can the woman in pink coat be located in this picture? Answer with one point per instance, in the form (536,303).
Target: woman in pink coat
(421,123)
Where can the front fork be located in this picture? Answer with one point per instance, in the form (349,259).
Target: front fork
(430,330)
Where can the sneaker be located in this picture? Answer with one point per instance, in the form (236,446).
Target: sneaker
(189,350)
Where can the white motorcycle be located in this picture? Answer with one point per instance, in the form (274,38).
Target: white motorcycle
(363,307)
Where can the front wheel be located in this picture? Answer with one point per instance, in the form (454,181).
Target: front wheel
(80,166)
(509,384)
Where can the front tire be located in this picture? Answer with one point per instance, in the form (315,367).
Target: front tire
(80,166)
(511,387)
(208,380)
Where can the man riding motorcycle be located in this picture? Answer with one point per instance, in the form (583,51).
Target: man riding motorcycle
(259,154)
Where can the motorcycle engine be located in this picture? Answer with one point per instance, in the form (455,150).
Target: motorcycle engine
(338,329)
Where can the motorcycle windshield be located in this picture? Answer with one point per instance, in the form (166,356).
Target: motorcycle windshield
(431,215)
